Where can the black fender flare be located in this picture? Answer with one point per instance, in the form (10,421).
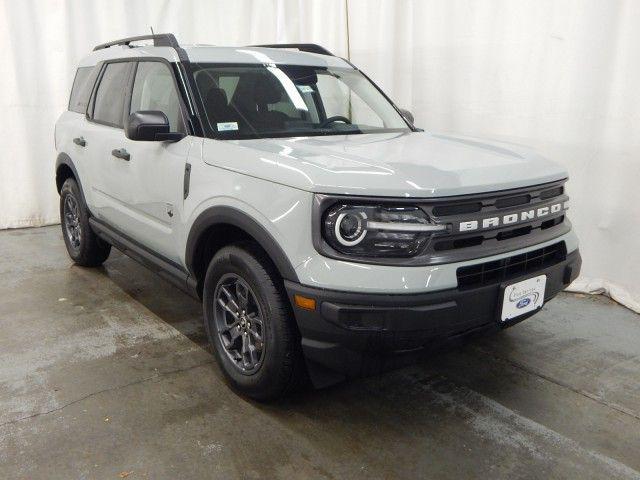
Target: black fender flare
(219,215)
(64,159)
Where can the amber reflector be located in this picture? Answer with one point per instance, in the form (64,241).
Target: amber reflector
(305,302)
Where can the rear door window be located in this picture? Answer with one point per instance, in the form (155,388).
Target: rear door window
(109,99)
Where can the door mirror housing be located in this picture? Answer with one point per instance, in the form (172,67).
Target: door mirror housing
(150,126)
(408,116)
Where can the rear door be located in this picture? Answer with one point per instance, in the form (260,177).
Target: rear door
(71,127)
(104,132)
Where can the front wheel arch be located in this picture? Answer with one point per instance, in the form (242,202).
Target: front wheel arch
(220,226)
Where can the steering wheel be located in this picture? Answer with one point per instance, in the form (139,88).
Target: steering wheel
(336,118)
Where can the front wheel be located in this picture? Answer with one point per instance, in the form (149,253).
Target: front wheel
(249,323)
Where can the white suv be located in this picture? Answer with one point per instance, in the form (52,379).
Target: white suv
(324,233)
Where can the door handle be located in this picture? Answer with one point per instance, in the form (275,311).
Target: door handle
(80,141)
(121,153)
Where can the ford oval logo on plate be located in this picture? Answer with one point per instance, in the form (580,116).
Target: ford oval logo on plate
(523,297)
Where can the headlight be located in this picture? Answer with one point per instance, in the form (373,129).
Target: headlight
(377,230)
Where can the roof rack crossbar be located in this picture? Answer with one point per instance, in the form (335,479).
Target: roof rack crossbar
(303,47)
(159,40)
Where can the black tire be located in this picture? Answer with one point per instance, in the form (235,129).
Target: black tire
(83,245)
(281,368)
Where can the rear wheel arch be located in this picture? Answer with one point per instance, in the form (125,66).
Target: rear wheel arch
(66,169)
(220,226)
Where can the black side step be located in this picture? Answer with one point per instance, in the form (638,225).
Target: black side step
(164,267)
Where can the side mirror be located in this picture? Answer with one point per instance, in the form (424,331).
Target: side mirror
(150,126)
(407,115)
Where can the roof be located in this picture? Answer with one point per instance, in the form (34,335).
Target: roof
(214,54)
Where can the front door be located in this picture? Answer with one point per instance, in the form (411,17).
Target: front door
(156,170)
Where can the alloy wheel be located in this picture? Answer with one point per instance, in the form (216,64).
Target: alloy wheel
(239,323)
(72,221)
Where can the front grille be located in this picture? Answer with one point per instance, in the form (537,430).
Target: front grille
(503,237)
(512,201)
(500,270)
(456,209)
(553,192)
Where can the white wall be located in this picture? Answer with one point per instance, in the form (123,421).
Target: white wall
(559,75)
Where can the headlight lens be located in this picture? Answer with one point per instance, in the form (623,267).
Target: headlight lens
(377,230)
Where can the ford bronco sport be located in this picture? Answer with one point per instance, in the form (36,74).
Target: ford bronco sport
(325,234)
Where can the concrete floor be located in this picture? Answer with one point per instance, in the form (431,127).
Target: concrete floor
(106,374)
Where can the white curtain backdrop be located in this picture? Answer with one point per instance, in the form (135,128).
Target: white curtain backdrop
(560,76)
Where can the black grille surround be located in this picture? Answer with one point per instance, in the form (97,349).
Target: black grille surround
(455,245)
(522,264)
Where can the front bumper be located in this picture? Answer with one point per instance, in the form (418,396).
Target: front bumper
(356,334)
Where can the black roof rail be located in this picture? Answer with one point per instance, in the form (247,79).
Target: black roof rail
(303,47)
(159,40)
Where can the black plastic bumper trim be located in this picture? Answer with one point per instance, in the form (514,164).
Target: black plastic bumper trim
(354,334)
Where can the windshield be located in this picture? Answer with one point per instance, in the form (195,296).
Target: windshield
(254,101)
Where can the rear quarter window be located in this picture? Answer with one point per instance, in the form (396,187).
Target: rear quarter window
(81,90)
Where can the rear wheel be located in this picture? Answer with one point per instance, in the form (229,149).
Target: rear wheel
(250,325)
(84,246)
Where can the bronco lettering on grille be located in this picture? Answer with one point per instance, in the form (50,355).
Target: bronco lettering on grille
(512,218)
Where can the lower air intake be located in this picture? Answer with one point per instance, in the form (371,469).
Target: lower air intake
(511,267)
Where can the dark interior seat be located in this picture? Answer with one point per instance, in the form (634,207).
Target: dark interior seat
(217,106)
(252,97)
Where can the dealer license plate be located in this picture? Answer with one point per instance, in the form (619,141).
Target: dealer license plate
(523,297)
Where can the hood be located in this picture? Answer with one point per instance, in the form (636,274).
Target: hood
(414,164)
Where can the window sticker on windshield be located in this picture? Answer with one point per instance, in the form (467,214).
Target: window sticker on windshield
(227,126)
(306,88)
